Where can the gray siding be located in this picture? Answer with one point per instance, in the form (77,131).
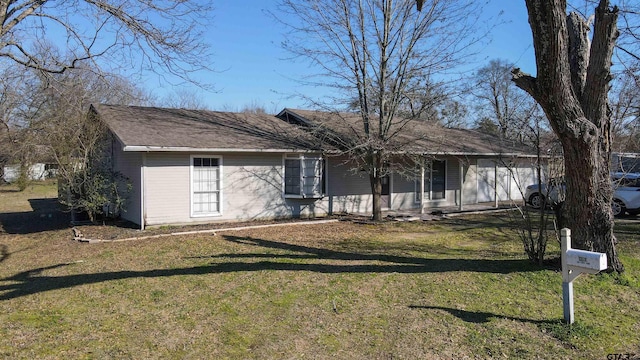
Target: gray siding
(251,188)
(129,165)
(524,174)
(470,186)
(166,188)
(453,182)
(348,191)
(403,196)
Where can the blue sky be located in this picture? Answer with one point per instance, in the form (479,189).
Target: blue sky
(253,69)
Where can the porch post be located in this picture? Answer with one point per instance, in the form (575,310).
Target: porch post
(422,187)
(143,192)
(461,184)
(495,183)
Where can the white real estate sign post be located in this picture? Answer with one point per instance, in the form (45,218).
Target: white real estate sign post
(574,263)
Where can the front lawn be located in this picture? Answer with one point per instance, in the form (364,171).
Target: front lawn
(458,288)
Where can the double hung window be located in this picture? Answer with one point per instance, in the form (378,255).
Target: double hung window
(303,176)
(206,197)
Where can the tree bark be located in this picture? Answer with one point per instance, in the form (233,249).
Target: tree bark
(376,190)
(571,87)
(375,178)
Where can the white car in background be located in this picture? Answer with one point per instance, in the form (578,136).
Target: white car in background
(626,195)
(550,194)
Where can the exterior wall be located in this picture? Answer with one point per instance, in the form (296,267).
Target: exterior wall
(452,195)
(470,186)
(251,188)
(486,180)
(166,188)
(512,179)
(403,193)
(348,191)
(523,174)
(129,164)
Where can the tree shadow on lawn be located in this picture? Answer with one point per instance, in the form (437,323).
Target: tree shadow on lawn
(31,281)
(463,223)
(479,317)
(8,190)
(556,328)
(46,215)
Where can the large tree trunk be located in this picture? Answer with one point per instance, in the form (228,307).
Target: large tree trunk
(376,190)
(572,87)
(587,211)
(375,179)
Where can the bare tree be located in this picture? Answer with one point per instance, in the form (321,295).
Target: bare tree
(184,99)
(498,100)
(9,102)
(48,114)
(142,34)
(510,113)
(628,44)
(571,86)
(625,110)
(381,53)
(19,99)
(453,113)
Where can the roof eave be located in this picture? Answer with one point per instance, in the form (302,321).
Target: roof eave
(480,154)
(148,148)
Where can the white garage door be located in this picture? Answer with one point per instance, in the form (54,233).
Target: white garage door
(487,181)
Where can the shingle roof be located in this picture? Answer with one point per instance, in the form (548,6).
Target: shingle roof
(415,136)
(153,128)
(156,128)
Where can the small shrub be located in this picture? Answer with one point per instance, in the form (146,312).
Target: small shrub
(23,178)
(98,192)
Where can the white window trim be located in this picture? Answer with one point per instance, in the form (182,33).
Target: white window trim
(416,185)
(220,187)
(301,158)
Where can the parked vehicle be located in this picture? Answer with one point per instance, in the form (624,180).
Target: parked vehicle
(551,192)
(626,195)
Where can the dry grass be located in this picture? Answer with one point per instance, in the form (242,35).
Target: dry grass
(453,289)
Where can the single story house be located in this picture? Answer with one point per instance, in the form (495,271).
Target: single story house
(195,166)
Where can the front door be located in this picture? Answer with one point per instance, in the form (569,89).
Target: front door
(385,195)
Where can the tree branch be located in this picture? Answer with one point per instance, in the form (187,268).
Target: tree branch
(578,31)
(525,82)
(605,33)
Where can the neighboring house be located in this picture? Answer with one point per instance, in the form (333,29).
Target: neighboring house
(193,166)
(42,165)
(38,171)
